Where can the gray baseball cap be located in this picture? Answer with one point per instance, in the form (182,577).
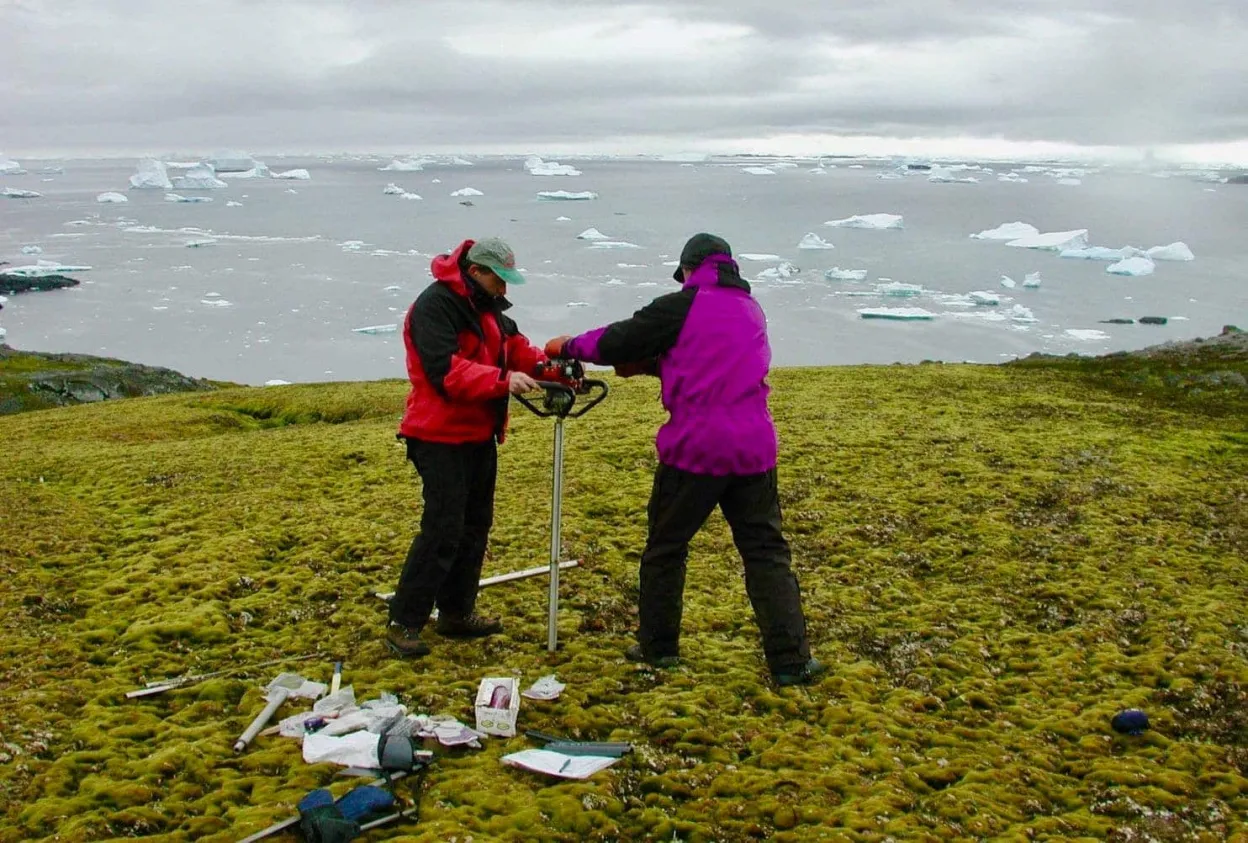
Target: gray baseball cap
(497,256)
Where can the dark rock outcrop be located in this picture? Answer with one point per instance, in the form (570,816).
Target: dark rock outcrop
(34,380)
(12,284)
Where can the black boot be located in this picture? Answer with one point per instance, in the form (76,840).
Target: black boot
(467,626)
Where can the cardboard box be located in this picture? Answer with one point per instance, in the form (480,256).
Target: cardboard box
(498,706)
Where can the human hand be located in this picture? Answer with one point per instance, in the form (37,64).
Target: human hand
(554,347)
(519,383)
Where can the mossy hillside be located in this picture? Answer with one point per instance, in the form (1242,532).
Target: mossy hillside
(994,560)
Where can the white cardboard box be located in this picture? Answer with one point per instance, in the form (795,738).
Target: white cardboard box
(498,720)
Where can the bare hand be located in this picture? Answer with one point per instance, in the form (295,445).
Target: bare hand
(520,383)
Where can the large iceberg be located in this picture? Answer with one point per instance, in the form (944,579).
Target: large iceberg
(299,173)
(1054,241)
(1134,267)
(566,196)
(813,241)
(1174,252)
(106,198)
(1008,231)
(18,193)
(151,175)
(231,161)
(537,167)
(869,221)
(199,177)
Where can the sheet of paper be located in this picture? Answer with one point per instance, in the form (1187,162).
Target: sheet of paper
(558,764)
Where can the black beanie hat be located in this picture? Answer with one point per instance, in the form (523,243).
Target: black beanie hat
(698,248)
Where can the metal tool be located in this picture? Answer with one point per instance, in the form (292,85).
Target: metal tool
(162,685)
(559,402)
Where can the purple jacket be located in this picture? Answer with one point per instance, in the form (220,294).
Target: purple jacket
(709,345)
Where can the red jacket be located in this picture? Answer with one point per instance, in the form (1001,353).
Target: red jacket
(460,349)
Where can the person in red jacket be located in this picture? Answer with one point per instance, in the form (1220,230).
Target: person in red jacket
(465,359)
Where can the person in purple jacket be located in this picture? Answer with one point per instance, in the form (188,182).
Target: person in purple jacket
(708,345)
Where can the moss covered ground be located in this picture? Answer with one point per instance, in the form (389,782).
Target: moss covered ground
(994,560)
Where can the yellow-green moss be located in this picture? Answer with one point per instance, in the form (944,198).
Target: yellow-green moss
(994,561)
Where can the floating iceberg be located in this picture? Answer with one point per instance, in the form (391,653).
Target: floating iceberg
(467,191)
(199,177)
(17,193)
(758,256)
(563,219)
(758,171)
(1101,253)
(32,250)
(1134,267)
(1008,231)
(1054,241)
(1013,178)
(1031,280)
(613,244)
(592,234)
(406,195)
(898,290)
(1007,282)
(9,167)
(376,329)
(216,302)
(813,241)
(260,171)
(1021,314)
(786,269)
(537,167)
(456,161)
(1174,252)
(173,197)
(393,189)
(151,175)
(838,274)
(199,244)
(982,297)
(944,175)
(900,313)
(300,174)
(1087,334)
(231,161)
(877,222)
(110,197)
(233,204)
(566,196)
(406,165)
(42,268)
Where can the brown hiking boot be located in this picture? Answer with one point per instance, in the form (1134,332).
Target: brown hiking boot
(470,626)
(405,640)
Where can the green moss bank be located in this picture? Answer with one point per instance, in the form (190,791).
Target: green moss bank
(994,559)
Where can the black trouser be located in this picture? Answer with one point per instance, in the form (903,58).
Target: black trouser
(443,565)
(680,503)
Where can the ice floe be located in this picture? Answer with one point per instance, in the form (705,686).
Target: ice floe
(299,174)
(565,195)
(1021,314)
(18,193)
(904,314)
(758,256)
(1101,253)
(151,174)
(1087,334)
(9,167)
(944,175)
(1053,241)
(537,167)
(231,161)
(613,244)
(406,165)
(173,197)
(563,219)
(896,289)
(1007,282)
(983,297)
(233,204)
(198,244)
(43,268)
(1174,252)
(216,302)
(32,250)
(199,177)
(783,270)
(467,191)
(810,240)
(1008,231)
(592,234)
(758,171)
(877,222)
(1031,280)
(110,197)
(1134,267)
(392,189)
(838,274)
(1013,178)
(376,329)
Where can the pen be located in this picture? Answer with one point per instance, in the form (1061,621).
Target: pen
(565,765)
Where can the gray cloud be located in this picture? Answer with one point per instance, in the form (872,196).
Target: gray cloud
(268,74)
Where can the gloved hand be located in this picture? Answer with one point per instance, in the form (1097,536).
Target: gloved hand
(554,347)
(641,367)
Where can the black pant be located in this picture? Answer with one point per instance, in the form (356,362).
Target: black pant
(680,503)
(443,565)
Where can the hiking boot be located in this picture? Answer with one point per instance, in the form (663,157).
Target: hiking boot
(405,640)
(807,674)
(471,626)
(636,654)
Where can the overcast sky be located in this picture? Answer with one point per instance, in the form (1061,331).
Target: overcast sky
(132,76)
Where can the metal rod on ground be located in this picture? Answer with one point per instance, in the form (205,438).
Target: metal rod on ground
(556,512)
(292,821)
(162,685)
(508,577)
(279,696)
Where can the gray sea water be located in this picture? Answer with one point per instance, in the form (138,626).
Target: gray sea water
(278,294)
